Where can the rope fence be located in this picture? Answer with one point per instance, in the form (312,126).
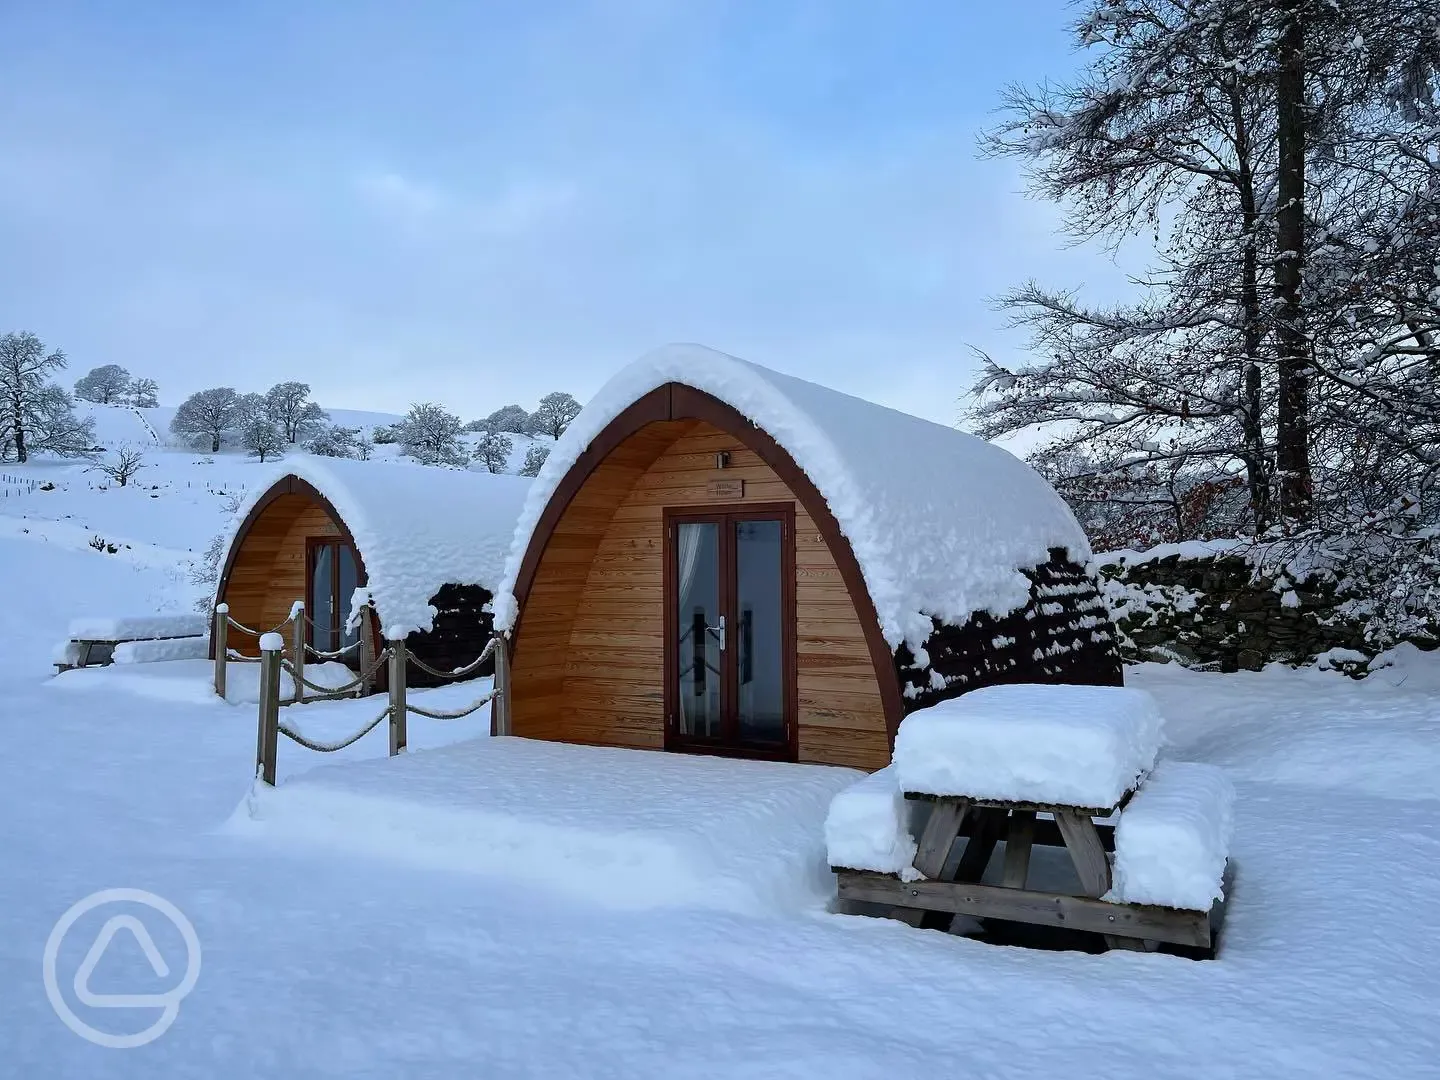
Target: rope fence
(458,713)
(340,744)
(288,657)
(458,673)
(362,679)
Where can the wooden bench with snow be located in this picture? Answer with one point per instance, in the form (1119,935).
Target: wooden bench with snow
(132,640)
(1026,765)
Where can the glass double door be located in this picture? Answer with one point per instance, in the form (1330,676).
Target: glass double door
(730,635)
(333,578)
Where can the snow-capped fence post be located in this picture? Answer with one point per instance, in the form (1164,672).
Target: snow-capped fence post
(367,649)
(500,708)
(297,648)
(398,662)
(218,639)
(272,646)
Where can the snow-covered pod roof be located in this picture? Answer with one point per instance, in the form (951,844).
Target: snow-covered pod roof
(941,522)
(415,527)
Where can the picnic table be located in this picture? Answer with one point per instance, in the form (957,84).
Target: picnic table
(92,641)
(948,886)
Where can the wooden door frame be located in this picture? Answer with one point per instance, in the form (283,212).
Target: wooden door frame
(788,749)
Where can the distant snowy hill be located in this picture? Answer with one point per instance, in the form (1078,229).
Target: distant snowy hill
(117,424)
(163,520)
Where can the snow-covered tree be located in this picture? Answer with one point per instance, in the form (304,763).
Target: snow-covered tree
(106,384)
(554,414)
(534,459)
(1283,159)
(143,394)
(249,407)
(262,438)
(121,463)
(509,418)
(204,416)
(335,441)
(35,414)
(493,451)
(431,435)
(384,434)
(290,408)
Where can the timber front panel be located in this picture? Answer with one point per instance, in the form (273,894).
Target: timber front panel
(590,655)
(267,574)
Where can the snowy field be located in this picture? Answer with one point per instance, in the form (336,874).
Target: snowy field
(357,953)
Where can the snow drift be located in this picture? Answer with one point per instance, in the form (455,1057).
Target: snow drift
(626,828)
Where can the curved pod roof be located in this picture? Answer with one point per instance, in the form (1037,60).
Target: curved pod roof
(415,527)
(941,522)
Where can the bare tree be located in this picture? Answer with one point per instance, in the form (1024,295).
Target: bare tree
(431,435)
(35,414)
(290,408)
(104,385)
(554,414)
(534,460)
(204,416)
(121,464)
(493,451)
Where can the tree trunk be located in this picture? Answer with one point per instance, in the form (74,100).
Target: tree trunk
(1293,406)
(214,442)
(21,454)
(1251,403)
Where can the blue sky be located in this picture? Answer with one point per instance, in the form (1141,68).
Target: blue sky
(476,203)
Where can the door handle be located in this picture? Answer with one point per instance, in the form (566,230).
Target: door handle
(719,631)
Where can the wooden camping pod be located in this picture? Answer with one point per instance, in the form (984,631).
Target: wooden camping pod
(589,662)
(267,567)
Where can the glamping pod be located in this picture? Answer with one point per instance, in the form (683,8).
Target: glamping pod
(720,558)
(427,544)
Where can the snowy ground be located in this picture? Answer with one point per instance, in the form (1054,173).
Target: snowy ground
(322,960)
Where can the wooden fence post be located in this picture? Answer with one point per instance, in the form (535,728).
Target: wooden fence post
(367,649)
(272,647)
(398,664)
(297,648)
(500,708)
(218,640)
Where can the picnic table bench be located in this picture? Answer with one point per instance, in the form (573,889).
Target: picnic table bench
(93,641)
(100,652)
(949,886)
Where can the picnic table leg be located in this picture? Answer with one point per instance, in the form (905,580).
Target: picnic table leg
(1018,843)
(931,854)
(1082,840)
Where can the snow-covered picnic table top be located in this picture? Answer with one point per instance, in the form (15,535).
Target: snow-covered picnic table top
(137,627)
(1081,746)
